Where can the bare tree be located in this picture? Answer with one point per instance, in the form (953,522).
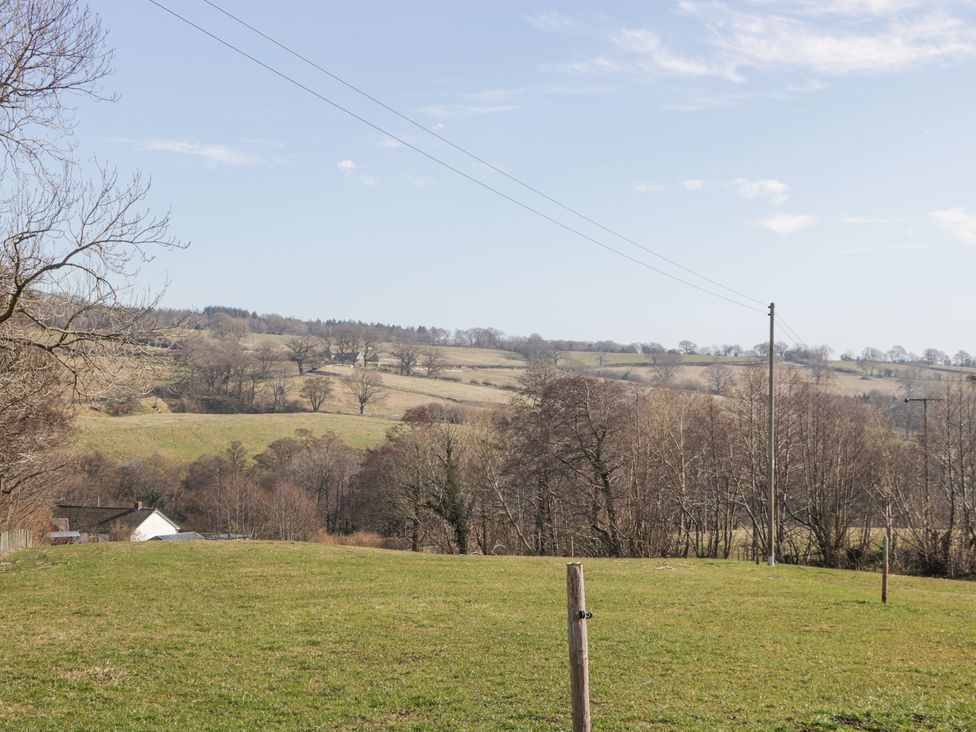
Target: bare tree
(407,356)
(364,387)
(317,390)
(665,367)
(50,49)
(279,392)
(910,380)
(869,359)
(346,344)
(897,354)
(934,357)
(820,363)
(688,347)
(300,348)
(719,378)
(368,343)
(268,358)
(70,247)
(432,361)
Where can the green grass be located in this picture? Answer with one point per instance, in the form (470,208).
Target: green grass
(183,437)
(466,356)
(229,636)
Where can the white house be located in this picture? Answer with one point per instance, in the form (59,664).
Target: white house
(105,523)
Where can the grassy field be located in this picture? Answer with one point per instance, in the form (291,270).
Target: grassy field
(183,437)
(229,636)
(463,356)
(187,436)
(593,358)
(404,392)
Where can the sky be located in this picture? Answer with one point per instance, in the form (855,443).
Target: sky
(816,153)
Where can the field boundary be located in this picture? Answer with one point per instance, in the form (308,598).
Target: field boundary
(14,540)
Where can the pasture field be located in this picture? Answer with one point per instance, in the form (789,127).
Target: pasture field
(257,635)
(593,358)
(185,437)
(404,392)
(465,356)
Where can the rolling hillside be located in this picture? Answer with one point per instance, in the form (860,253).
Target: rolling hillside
(184,437)
(471,378)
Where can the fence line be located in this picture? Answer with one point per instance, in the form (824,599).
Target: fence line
(13,540)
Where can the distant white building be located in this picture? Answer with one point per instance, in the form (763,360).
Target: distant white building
(108,523)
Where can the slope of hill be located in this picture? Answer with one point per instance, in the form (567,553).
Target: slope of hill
(470,378)
(185,437)
(372,639)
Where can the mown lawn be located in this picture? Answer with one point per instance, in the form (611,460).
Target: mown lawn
(230,636)
(185,437)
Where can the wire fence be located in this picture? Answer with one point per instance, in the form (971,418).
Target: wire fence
(11,541)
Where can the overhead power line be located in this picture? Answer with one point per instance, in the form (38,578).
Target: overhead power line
(793,335)
(419,125)
(447,165)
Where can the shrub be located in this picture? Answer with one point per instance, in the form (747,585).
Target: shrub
(435,412)
(355,538)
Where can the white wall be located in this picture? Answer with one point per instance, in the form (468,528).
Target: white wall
(155,525)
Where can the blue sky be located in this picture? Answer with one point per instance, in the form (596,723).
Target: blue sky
(816,153)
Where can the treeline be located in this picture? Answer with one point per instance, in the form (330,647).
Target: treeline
(221,375)
(233,321)
(297,486)
(591,467)
(597,468)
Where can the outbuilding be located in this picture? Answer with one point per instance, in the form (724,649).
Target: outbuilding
(184,536)
(108,523)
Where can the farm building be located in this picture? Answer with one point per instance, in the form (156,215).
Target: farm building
(107,523)
(185,536)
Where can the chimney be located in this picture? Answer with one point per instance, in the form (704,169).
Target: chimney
(137,505)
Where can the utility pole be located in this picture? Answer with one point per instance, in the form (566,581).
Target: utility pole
(771,446)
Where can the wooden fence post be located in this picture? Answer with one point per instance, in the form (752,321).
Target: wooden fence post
(579,662)
(884,572)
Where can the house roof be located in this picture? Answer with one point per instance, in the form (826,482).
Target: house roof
(100,519)
(185,536)
(63,534)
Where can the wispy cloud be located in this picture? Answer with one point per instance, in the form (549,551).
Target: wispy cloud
(464,111)
(784,223)
(350,169)
(865,220)
(212,153)
(649,187)
(778,47)
(958,222)
(769,189)
(781,43)
(552,21)
(639,52)
(652,56)
(845,8)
